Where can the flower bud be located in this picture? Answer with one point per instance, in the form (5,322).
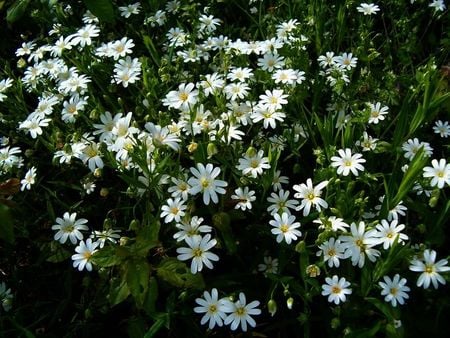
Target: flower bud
(335,322)
(300,247)
(192,147)
(272,307)
(104,192)
(211,150)
(312,270)
(98,172)
(290,303)
(251,152)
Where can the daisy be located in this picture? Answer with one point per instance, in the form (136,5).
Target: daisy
(395,212)
(332,251)
(84,35)
(236,90)
(327,60)
(72,107)
(91,156)
(191,228)
(212,307)
(208,23)
(241,312)
(412,146)
(430,270)
(204,181)
(332,222)
(310,196)
(280,202)
(368,143)
(6,297)
(212,84)
(389,233)
(253,165)
(198,252)
(394,290)
(377,112)
(368,9)
(439,173)
(29,179)
(271,61)
(442,128)
(347,162)
(161,136)
(183,98)
(360,244)
(69,228)
(285,76)
(121,48)
(285,227)
(84,252)
(273,100)
(346,61)
(33,125)
(438,5)
(240,74)
(244,198)
(173,210)
(269,266)
(180,189)
(104,236)
(278,180)
(127,11)
(268,116)
(336,289)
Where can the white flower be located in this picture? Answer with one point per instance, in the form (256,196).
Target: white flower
(183,99)
(268,116)
(173,210)
(359,244)
(236,90)
(269,266)
(442,128)
(241,312)
(212,84)
(430,270)
(327,60)
(109,235)
(82,259)
(332,222)
(281,203)
(367,143)
(388,233)
(377,112)
(395,290)
(273,100)
(270,61)
(412,146)
(127,11)
(332,251)
(347,162)
(212,307)
(204,181)
(310,196)
(245,197)
(346,61)
(336,289)
(29,179)
(198,252)
(84,35)
(253,165)
(285,227)
(438,5)
(191,228)
(5,297)
(69,227)
(368,9)
(439,173)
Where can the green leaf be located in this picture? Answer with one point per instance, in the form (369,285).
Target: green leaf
(6,224)
(16,11)
(156,327)
(151,297)
(221,222)
(57,252)
(102,9)
(178,274)
(148,42)
(106,257)
(137,276)
(119,291)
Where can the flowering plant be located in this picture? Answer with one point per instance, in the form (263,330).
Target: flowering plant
(173,167)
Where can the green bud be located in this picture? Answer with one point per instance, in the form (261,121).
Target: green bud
(422,228)
(123,241)
(104,192)
(134,225)
(303,318)
(272,307)
(98,172)
(29,152)
(87,313)
(300,247)
(220,220)
(21,63)
(296,168)
(433,201)
(211,150)
(94,114)
(251,152)
(107,224)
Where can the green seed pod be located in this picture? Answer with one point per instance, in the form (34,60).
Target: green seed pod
(251,152)
(290,303)
(272,307)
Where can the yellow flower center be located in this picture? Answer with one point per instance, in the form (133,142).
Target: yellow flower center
(254,163)
(197,252)
(240,311)
(429,269)
(204,182)
(336,289)
(183,96)
(284,228)
(393,291)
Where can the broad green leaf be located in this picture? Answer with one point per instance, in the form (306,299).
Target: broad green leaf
(176,273)
(6,224)
(137,276)
(102,9)
(119,291)
(106,257)
(16,11)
